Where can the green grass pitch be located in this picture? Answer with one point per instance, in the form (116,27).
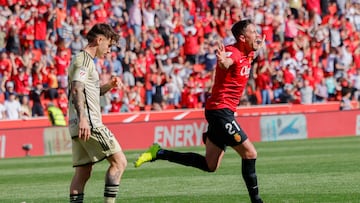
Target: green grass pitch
(308,171)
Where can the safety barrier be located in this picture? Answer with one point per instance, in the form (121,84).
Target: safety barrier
(177,128)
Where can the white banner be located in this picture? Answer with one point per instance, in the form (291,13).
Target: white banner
(283,127)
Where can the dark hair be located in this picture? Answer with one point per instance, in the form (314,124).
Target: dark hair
(239,28)
(102,29)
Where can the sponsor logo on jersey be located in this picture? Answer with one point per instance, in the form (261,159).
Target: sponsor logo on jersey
(245,71)
(82,73)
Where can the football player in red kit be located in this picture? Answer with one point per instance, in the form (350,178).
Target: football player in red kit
(232,73)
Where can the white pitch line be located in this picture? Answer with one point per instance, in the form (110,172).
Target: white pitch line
(131,118)
(181,116)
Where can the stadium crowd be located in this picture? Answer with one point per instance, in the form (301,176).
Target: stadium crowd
(166,55)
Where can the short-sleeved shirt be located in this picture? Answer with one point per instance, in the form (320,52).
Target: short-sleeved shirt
(83,69)
(230,83)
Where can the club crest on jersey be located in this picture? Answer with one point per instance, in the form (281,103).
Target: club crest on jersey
(82,73)
(237,137)
(245,71)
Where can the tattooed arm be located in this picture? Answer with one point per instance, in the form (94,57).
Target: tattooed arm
(78,99)
(105,88)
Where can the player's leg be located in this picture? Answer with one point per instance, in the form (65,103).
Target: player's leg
(106,146)
(207,163)
(213,155)
(113,175)
(83,166)
(81,176)
(248,154)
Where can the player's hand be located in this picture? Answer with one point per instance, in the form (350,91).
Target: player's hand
(222,57)
(116,82)
(261,42)
(84,130)
(221,54)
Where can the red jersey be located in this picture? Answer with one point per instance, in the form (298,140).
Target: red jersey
(61,64)
(21,84)
(40,28)
(230,83)
(5,67)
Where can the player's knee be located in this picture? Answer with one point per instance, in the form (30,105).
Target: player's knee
(124,163)
(251,154)
(121,164)
(212,168)
(83,173)
(118,161)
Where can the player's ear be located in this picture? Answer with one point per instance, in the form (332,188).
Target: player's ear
(98,40)
(242,38)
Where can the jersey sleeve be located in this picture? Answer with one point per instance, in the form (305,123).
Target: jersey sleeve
(232,52)
(80,72)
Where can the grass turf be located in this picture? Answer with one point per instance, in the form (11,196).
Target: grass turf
(308,171)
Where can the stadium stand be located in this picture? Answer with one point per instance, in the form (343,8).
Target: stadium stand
(166,55)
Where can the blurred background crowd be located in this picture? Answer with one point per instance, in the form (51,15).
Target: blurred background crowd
(166,54)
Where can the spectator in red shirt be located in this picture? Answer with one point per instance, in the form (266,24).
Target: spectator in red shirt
(313,6)
(263,83)
(27,34)
(178,29)
(42,16)
(5,65)
(21,80)
(191,46)
(76,12)
(185,93)
(288,76)
(62,102)
(190,6)
(191,99)
(116,104)
(140,67)
(157,41)
(267,28)
(101,14)
(61,64)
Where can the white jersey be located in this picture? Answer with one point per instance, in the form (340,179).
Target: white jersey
(83,69)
